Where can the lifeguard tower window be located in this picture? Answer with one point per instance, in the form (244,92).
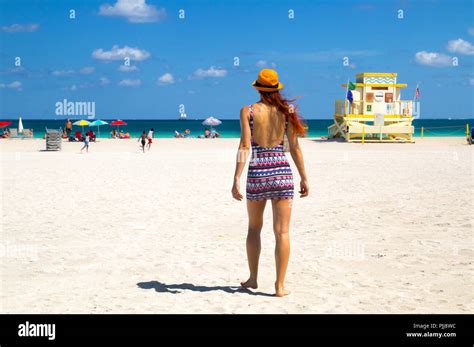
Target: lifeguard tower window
(379,88)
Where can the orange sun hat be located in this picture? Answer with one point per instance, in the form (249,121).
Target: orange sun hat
(267,81)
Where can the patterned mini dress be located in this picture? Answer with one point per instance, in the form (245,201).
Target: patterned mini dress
(269,175)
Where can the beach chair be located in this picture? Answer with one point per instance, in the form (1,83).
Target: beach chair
(27,133)
(54,139)
(470,137)
(13,133)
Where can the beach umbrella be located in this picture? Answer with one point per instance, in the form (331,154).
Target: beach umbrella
(211,121)
(118,123)
(98,123)
(81,123)
(20,126)
(3,124)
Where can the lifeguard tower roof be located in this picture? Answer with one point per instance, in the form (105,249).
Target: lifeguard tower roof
(377,79)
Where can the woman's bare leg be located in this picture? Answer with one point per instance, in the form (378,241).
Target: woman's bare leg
(255,211)
(281,227)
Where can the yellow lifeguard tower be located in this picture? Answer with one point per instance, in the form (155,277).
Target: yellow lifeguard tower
(376,113)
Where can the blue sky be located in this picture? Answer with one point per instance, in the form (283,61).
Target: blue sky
(190,61)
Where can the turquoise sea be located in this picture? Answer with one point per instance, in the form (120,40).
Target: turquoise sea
(231,128)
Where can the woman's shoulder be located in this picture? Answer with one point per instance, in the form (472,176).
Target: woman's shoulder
(245,111)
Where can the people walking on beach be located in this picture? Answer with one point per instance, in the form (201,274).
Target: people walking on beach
(263,126)
(68,127)
(87,139)
(142,138)
(150,137)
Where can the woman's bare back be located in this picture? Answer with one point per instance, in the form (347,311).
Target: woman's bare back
(268,125)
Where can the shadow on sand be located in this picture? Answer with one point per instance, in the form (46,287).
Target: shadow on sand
(178,288)
(337,139)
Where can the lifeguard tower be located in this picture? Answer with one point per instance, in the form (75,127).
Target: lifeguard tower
(376,114)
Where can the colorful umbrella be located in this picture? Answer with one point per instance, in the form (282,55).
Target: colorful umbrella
(118,122)
(211,121)
(3,124)
(81,123)
(97,123)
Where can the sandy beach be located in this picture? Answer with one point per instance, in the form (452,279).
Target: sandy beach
(388,228)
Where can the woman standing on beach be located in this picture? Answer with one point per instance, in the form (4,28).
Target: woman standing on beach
(263,126)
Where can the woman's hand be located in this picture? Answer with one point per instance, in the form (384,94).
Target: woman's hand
(304,188)
(236,190)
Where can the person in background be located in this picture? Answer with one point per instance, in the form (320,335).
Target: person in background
(214,134)
(86,143)
(142,138)
(150,137)
(78,136)
(68,127)
(92,135)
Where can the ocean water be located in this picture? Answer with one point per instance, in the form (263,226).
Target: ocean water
(231,128)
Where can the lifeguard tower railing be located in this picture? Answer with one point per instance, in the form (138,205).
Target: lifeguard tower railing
(392,124)
(397,108)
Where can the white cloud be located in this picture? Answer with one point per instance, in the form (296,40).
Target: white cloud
(264,63)
(13,85)
(87,70)
(433,59)
(120,53)
(460,46)
(130,83)
(471,31)
(84,71)
(211,72)
(136,11)
(104,81)
(62,73)
(128,68)
(328,55)
(87,85)
(72,88)
(20,28)
(167,78)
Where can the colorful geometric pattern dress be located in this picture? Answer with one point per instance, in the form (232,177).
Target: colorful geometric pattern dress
(269,175)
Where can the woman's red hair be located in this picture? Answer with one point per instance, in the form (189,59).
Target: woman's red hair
(286,107)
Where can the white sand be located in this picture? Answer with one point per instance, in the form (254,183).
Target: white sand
(387,229)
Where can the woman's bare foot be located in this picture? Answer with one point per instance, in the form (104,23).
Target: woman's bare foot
(250,283)
(280,291)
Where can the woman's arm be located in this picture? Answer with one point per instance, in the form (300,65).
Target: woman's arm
(297,155)
(242,153)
